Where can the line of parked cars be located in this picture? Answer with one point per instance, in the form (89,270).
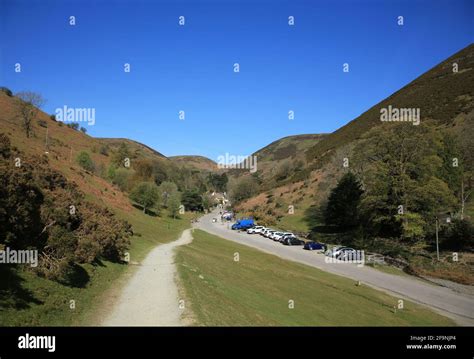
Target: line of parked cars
(286,238)
(290,239)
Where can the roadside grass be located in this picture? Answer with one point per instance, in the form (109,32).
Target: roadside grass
(389,269)
(258,290)
(37,301)
(295,222)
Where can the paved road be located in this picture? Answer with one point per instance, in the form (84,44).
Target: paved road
(457,306)
(151,296)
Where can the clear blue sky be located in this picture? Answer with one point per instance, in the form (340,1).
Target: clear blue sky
(190,68)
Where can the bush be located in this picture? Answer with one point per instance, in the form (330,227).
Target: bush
(42,123)
(6,91)
(459,235)
(104,150)
(121,177)
(39,200)
(85,161)
(83,130)
(74,125)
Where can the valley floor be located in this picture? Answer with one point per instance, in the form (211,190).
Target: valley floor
(230,284)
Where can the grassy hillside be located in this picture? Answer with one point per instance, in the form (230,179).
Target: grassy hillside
(446,102)
(256,291)
(441,94)
(195,162)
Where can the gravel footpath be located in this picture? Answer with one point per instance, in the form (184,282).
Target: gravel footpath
(151,297)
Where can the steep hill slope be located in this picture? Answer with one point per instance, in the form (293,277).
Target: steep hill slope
(445,97)
(441,94)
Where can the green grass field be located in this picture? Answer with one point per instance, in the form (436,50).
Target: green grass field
(295,223)
(258,290)
(41,302)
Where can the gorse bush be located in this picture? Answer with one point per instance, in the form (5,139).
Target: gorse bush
(85,161)
(40,209)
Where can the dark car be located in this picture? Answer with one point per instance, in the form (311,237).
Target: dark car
(314,246)
(293,241)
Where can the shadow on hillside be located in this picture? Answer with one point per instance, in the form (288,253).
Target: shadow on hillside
(149,212)
(77,277)
(12,293)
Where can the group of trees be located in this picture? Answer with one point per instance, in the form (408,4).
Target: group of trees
(150,196)
(243,187)
(402,179)
(156,184)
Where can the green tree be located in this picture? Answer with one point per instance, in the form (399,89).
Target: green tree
(146,194)
(242,188)
(174,203)
(28,105)
(401,170)
(192,200)
(342,209)
(121,155)
(167,189)
(218,181)
(85,161)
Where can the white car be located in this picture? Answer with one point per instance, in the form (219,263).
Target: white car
(276,235)
(268,232)
(279,235)
(255,229)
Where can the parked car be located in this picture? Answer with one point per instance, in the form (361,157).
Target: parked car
(265,231)
(269,233)
(286,235)
(292,241)
(314,246)
(277,235)
(255,229)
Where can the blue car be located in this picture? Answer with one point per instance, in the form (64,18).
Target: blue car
(313,246)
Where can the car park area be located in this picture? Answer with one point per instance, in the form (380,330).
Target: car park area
(445,299)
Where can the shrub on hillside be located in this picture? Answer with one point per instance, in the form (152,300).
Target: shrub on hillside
(51,216)
(73,125)
(85,161)
(6,91)
(458,235)
(42,123)
(104,150)
(121,177)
